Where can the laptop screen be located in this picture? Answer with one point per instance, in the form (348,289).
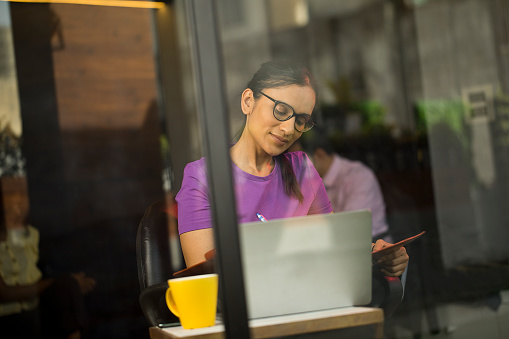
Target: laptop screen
(305,264)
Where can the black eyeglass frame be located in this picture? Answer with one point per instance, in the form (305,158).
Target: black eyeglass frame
(296,115)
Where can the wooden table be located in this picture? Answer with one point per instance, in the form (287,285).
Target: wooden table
(295,324)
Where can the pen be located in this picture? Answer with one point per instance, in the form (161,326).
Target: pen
(167,325)
(261,217)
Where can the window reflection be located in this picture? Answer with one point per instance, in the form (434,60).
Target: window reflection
(416,90)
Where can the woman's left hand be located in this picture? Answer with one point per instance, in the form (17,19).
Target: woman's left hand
(394,263)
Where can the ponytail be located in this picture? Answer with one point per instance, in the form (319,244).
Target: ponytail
(292,188)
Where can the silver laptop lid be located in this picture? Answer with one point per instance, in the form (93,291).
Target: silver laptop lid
(305,264)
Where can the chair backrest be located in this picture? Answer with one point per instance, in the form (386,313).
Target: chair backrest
(154,264)
(152,246)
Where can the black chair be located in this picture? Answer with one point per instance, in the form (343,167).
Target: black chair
(154,264)
(154,269)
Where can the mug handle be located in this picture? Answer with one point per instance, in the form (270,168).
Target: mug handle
(171,303)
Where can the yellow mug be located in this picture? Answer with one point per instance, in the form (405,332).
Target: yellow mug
(193,300)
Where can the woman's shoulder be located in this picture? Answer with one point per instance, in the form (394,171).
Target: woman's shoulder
(199,162)
(28,234)
(196,166)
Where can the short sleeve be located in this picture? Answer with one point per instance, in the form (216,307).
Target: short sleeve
(192,200)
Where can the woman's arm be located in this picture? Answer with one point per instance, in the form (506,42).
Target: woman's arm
(195,244)
(22,293)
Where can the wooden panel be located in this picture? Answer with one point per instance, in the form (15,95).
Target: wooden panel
(105,72)
(106,84)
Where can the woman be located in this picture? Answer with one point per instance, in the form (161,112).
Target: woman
(20,278)
(32,306)
(278,104)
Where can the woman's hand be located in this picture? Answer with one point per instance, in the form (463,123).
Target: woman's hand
(394,263)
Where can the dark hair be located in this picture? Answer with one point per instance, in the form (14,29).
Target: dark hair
(317,138)
(280,73)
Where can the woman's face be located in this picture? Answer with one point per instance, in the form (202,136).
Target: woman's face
(271,135)
(16,208)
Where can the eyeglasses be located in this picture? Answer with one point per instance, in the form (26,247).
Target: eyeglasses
(284,112)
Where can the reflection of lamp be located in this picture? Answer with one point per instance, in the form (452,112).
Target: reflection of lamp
(113,3)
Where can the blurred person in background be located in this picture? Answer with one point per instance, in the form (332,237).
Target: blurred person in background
(350,185)
(32,306)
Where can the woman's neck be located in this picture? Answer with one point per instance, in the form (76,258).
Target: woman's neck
(251,158)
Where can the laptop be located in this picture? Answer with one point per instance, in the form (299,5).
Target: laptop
(305,264)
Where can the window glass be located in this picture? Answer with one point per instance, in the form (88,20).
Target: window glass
(99,117)
(417,92)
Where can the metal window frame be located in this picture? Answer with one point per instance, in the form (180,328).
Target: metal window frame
(207,59)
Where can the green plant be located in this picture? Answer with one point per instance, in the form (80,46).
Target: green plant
(449,112)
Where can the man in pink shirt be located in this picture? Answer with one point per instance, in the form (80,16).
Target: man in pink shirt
(350,185)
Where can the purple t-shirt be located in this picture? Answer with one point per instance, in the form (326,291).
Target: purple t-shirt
(265,195)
